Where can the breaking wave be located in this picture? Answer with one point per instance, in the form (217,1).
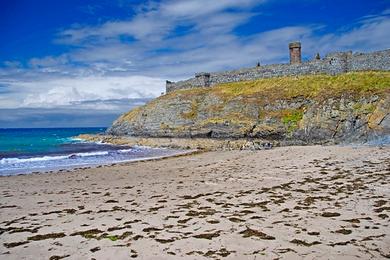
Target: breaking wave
(114,154)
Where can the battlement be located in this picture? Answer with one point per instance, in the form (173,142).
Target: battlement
(333,64)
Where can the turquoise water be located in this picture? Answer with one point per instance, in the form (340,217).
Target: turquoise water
(40,150)
(30,141)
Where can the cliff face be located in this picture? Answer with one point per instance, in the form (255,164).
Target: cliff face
(292,110)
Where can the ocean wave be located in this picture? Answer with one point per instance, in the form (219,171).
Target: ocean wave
(57,157)
(72,140)
(80,140)
(34,159)
(91,154)
(125,150)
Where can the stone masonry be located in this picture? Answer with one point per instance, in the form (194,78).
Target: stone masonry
(295,53)
(333,63)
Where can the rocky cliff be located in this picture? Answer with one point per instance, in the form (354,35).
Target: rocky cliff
(351,107)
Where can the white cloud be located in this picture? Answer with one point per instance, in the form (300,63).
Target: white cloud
(197,8)
(209,42)
(48,61)
(167,40)
(57,92)
(372,34)
(156,21)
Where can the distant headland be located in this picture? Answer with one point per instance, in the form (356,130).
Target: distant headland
(332,64)
(342,98)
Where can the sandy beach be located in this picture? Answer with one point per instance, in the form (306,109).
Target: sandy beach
(309,202)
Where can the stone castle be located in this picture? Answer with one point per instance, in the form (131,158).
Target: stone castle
(333,63)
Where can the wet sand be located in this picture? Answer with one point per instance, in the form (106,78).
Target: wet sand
(286,203)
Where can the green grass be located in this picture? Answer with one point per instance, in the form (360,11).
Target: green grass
(112,238)
(131,114)
(311,86)
(267,93)
(364,108)
(317,87)
(291,119)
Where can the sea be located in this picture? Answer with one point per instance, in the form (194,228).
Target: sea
(32,150)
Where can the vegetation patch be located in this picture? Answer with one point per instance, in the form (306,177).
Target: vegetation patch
(223,252)
(151,229)
(70,211)
(193,113)
(12,230)
(267,108)
(354,220)
(317,87)
(8,206)
(46,236)
(95,249)
(131,115)
(118,228)
(207,212)
(208,236)
(248,232)
(291,119)
(304,243)
(58,257)
(343,231)
(111,237)
(266,91)
(380,203)
(330,214)
(189,197)
(165,241)
(236,220)
(364,108)
(88,233)
(379,210)
(111,201)
(227,120)
(15,244)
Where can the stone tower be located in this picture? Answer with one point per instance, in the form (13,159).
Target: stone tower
(295,53)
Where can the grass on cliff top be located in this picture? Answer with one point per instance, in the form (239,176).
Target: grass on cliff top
(129,115)
(318,87)
(265,91)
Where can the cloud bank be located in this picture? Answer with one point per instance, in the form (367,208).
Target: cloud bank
(119,64)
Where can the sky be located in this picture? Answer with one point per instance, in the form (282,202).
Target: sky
(80,63)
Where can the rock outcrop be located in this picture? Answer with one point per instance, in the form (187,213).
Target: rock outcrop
(352,107)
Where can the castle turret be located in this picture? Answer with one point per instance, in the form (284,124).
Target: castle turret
(295,53)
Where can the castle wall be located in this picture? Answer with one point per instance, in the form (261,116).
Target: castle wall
(334,63)
(379,60)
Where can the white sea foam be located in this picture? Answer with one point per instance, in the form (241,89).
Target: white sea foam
(34,159)
(125,150)
(91,153)
(51,158)
(14,166)
(74,139)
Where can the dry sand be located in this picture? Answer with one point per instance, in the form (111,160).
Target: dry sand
(285,203)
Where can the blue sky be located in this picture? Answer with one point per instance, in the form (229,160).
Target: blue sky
(82,63)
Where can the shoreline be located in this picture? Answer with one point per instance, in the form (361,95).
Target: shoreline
(322,202)
(213,144)
(71,168)
(205,144)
